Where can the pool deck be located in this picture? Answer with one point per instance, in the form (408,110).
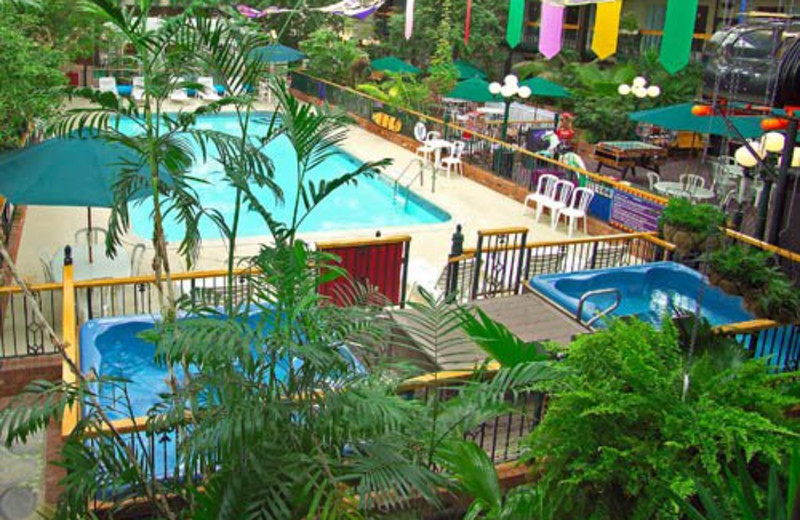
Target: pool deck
(529,316)
(470,204)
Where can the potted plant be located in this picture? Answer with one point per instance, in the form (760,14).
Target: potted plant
(741,270)
(690,226)
(780,301)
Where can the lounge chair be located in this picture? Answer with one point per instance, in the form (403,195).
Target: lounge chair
(137,88)
(209,91)
(179,95)
(108,84)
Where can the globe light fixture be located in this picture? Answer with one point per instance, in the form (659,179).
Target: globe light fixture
(653,91)
(639,81)
(508,90)
(773,142)
(524,92)
(511,80)
(795,157)
(639,89)
(745,157)
(624,90)
(494,88)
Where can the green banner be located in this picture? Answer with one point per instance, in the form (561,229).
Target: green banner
(516,17)
(676,44)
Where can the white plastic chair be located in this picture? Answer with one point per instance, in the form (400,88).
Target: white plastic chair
(578,208)
(690,182)
(137,88)
(453,161)
(426,151)
(652,179)
(544,191)
(179,95)
(108,84)
(561,197)
(47,266)
(208,92)
(92,236)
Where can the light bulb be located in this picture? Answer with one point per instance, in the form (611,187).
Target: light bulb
(796,158)
(511,80)
(624,90)
(773,141)
(745,158)
(640,92)
(507,90)
(524,92)
(653,91)
(494,88)
(639,81)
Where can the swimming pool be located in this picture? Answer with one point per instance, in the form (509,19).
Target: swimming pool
(111,347)
(368,205)
(649,292)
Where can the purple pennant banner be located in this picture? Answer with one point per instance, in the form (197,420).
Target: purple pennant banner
(550,29)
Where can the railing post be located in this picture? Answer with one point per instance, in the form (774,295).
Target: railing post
(69,336)
(520,263)
(476,273)
(456,249)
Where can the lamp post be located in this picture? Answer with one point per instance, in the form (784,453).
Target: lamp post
(509,89)
(755,153)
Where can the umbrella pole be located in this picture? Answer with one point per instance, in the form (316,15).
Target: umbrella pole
(89,233)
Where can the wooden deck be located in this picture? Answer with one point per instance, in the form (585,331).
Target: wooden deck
(529,316)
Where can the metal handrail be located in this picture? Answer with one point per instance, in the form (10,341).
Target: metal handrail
(420,175)
(611,308)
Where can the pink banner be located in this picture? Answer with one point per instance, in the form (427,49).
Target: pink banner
(409,18)
(550,29)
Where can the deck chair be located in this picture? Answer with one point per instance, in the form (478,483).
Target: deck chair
(606,256)
(179,95)
(108,84)
(209,91)
(137,88)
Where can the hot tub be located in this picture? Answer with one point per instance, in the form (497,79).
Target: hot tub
(649,292)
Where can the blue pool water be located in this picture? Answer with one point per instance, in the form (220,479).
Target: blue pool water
(367,205)
(648,291)
(111,347)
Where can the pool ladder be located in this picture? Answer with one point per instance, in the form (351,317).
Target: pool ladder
(602,314)
(419,175)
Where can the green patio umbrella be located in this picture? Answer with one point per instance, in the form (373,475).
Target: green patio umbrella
(467,70)
(276,53)
(541,87)
(680,118)
(475,89)
(74,171)
(393,64)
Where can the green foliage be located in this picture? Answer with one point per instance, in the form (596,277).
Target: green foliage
(629,22)
(32,78)
(685,215)
(498,342)
(334,58)
(747,268)
(751,501)
(779,301)
(401,90)
(632,422)
(482,50)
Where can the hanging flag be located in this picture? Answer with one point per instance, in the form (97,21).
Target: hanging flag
(409,18)
(550,28)
(516,17)
(468,22)
(606,28)
(676,43)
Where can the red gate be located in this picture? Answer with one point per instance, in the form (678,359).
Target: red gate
(378,262)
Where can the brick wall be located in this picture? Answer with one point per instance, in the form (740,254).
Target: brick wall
(16,373)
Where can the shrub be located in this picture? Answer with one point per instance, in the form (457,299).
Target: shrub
(623,433)
(745,269)
(684,215)
(779,301)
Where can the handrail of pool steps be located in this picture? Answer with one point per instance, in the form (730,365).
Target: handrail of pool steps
(621,185)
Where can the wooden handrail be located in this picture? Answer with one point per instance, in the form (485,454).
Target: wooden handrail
(70,338)
(39,287)
(741,237)
(443,377)
(502,231)
(746,327)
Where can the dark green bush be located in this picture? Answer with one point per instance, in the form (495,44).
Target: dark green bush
(685,215)
(746,267)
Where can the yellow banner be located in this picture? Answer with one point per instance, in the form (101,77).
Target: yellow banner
(606,28)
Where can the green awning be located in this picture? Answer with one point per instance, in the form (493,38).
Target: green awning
(277,53)
(541,87)
(476,90)
(467,70)
(680,118)
(393,64)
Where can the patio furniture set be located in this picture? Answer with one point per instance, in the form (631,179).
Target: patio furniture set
(430,150)
(561,198)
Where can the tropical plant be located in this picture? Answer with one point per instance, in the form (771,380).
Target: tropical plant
(740,270)
(635,419)
(334,58)
(779,300)
(400,90)
(778,502)
(32,77)
(691,227)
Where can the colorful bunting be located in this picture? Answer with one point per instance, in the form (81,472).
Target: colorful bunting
(409,19)
(676,44)
(468,22)
(550,29)
(606,28)
(516,17)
